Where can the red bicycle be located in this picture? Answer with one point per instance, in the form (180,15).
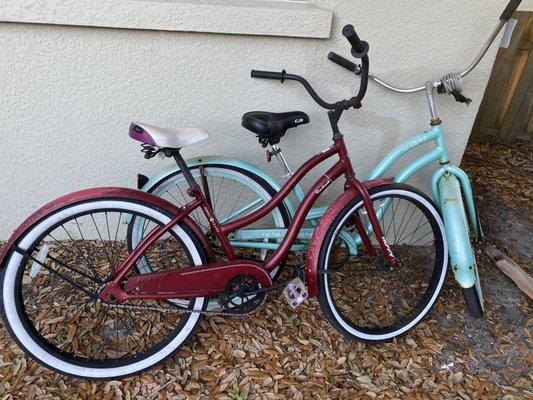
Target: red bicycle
(82,297)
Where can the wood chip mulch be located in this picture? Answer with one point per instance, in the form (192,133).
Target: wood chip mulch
(281,354)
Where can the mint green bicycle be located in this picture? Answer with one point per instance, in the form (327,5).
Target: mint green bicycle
(236,188)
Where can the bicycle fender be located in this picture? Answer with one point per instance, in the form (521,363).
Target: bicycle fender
(91,194)
(462,258)
(202,160)
(468,196)
(315,244)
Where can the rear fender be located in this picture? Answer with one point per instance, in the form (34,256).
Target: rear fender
(91,194)
(320,231)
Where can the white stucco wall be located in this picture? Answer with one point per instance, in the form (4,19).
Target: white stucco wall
(68,93)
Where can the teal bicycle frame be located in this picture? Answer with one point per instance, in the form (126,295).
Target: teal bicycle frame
(443,187)
(448,185)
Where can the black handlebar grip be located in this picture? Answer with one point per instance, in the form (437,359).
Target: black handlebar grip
(349,33)
(509,10)
(268,75)
(343,62)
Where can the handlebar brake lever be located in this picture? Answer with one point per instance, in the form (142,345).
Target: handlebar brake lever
(460,98)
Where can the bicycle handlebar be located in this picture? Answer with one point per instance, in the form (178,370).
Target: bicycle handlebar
(510,10)
(506,15)
(358,46)
(343,62)
(283,75)
(359,50)
(268,75)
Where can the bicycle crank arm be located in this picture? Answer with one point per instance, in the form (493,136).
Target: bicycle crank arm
(198,281)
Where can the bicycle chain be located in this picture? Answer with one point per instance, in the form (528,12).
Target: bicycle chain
(181,311)
(177,310)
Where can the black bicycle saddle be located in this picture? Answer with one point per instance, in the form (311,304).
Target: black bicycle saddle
(270,127)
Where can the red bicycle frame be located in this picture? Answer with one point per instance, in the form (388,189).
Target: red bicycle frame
(149,286)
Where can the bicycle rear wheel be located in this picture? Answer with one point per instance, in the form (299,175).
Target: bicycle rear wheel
(360,295)
(52,278)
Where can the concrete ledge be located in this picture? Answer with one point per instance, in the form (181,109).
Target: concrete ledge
(249,17)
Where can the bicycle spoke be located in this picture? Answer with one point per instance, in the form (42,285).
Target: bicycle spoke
(403,218)
(423,237)
(235,204)
(91,266)
(394,220)
(390,222)
(413,232)
(218,194)
(56,273)
(75,245)
(407,224)
(197,212)
(101,239)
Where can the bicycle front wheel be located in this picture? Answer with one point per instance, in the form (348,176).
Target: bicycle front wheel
(361,295)
(52,278)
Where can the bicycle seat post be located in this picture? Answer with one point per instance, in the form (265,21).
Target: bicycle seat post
(276,152)
(194,189)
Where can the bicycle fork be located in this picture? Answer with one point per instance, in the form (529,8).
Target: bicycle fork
(392,261)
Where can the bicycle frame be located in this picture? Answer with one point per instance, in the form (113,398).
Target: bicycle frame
(195,277)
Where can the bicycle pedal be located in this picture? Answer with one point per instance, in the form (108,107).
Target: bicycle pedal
(295,293)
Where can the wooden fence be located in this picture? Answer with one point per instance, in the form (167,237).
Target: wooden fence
(507,107)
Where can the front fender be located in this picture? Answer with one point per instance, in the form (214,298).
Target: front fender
(91,194)
(462,258)
(466,188)
(315,244)
(203,160)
